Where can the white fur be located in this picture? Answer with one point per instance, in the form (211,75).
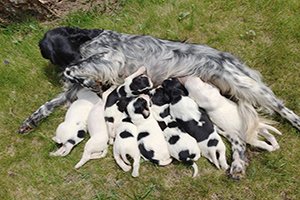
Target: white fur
(75,120)
(96,146)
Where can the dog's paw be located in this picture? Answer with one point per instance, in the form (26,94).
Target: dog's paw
(238,170)
(24,129)
(135,174)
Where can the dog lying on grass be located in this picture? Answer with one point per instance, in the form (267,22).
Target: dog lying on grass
(73,130)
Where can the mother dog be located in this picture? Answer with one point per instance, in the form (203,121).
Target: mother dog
(96,58)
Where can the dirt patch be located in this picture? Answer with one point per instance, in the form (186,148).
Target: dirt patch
(14,10)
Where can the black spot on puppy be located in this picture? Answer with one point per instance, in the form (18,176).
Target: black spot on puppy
(147,154)
(71,141)
(174,139)
(125,134)
(81,134)
(162,125)
(142,135)
(212,143)
(109,119)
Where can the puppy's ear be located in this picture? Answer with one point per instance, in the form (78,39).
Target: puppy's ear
(141,107)
(122,104)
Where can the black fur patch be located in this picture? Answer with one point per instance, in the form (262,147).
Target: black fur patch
(174,139)
(122,91)
(212,143)
(142,135)
(71,141)
(109,119)
(125,134)
(127,119)
(112,98)
(81,134)
(147,154)
(173,124)
(165,113)
(162,125)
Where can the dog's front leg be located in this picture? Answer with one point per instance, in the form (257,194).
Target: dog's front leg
(46,109)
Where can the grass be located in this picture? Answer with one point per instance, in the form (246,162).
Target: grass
(265,34)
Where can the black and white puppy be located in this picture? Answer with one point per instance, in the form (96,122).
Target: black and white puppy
(126,144)
(181,145)
(135,84)
(151,141)
(195,122)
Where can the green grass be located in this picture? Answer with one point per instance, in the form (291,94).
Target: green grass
(265,34)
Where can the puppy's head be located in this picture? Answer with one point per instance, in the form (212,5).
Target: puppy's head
(139,106)
(173,86)
(159,97)
(61,45)
(140,85)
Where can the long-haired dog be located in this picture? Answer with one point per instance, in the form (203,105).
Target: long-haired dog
(110,56)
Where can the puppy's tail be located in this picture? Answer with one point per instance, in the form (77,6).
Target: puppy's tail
(194,165)
(124,157)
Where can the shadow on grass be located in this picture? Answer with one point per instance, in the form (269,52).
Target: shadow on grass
(54,74)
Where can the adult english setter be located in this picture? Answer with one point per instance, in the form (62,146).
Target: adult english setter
(98,58)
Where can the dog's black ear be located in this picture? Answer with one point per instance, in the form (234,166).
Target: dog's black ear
(141,107)
(122,104)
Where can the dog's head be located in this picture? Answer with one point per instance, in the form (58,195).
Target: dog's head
(159,97)
(139,106)
(174,88)
(66,131)
(61,45)
(138,85)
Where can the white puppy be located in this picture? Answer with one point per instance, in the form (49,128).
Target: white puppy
(73,129)
(126,144)
(151,141)
(96,146)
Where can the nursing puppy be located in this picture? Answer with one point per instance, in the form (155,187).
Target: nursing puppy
(151,141)
(226,115)
(181,145)
(96,146)
(126,144)
(135,84)
(195,122)
(73,130)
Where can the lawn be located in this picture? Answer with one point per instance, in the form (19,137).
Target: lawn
(264,34)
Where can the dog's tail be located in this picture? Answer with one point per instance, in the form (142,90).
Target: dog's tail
(245,84)
(195,167)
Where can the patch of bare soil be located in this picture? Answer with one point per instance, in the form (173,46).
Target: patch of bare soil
(14,10)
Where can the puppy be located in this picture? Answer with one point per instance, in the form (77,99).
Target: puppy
(231,122)
(133,85)
(218,107)
(73,130)
(195,122)
(151,142)
(96,146)
(126,144)
(182,146)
